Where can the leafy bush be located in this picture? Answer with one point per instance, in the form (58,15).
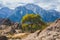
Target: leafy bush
(32,22)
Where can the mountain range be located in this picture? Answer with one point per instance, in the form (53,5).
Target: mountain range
(17,14)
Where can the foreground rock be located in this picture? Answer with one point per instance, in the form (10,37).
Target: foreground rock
(52,32)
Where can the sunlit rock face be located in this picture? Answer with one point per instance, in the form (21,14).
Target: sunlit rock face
(52,32)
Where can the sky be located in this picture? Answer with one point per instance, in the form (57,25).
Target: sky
(46,4)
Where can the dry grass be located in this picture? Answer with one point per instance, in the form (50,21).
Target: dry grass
(18,36)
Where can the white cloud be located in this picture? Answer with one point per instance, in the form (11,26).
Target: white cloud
(14,3)
(49,4)
(46,4)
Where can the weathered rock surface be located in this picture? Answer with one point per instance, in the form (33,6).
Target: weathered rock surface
(52,32)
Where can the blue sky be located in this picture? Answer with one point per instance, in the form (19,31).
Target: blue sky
(46,4)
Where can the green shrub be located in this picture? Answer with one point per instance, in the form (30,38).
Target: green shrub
(32,22)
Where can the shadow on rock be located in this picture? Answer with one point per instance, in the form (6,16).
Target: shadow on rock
(3,38)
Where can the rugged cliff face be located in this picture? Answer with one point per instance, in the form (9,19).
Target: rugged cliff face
(52,32)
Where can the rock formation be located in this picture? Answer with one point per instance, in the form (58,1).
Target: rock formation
(52,32)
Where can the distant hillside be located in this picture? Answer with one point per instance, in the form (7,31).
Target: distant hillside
(6,21)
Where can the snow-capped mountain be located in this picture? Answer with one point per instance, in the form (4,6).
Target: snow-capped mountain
(47,15)
(5,12)
(17,14)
